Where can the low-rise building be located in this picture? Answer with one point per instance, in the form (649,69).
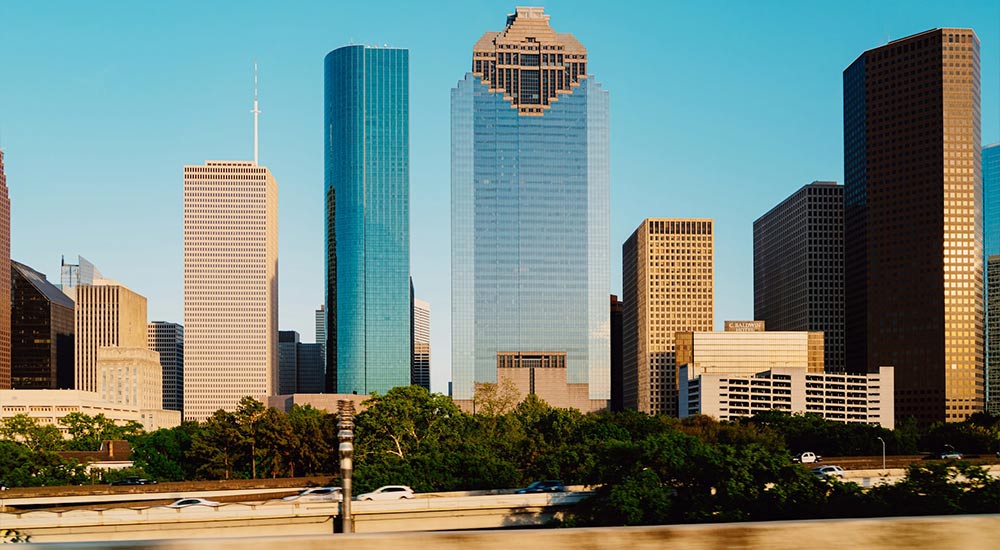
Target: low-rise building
(866,399)
(48,407)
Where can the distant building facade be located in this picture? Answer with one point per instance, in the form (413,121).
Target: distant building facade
(530,207)
(617,402)
(852,398)
(367,182)
(913,250)
(667,287)
(42,325)
(5,281)
(991,253)
(798,266)
(300,366)
(167,339)
(230,285)
(73,275)
(107,315)
(130,376)
(321,331)
(420,336)
(544,375)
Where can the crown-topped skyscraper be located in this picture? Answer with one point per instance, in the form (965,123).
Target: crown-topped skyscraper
(530,211)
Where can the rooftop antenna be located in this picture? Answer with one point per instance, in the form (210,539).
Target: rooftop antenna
(255,111)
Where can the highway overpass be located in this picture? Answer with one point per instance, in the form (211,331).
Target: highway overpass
(278,517)
(926,533)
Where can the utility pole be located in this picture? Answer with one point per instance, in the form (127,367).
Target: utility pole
(345,433)
(883,452)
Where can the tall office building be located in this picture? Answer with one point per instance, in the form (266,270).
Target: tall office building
(529,208)
(288,361)
(798,266)
(108,314)
(420,336)
(300,366)
(310,369)
(912,221)
(230,285)
(991,253)
(74,275)
(667,287)
(321,330)
(367,179)
(41,323)
(617,402)
(4,280)
(167,339)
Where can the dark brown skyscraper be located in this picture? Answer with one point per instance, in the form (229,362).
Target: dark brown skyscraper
(4,280)
(912,221)
(42,325)
(617,396)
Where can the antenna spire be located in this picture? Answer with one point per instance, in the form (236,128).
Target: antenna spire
(255,111)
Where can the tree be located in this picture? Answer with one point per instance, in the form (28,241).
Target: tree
(396,423)
(87,432)
(24,429)
(166,453)
(218,446)
(247,415)
(495,399)
(312,451)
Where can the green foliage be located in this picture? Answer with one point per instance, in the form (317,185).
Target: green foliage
(24,467)
(24,429)
(87,432)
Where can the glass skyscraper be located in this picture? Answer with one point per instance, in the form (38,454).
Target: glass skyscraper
(530,207)
(991,249)
(367,186)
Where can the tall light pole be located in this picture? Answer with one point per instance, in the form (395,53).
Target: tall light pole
(883,452)
(345,433)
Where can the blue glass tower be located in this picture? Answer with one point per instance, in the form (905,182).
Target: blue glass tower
(530,207)
(367,197)
(991,249)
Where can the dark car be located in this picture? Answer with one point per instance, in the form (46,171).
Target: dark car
(547,486)
(134,480)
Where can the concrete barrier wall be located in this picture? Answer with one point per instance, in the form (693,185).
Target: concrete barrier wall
(928,533)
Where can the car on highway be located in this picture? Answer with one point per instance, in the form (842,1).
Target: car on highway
(829,471)
(949,454)
(188,502)
(388,492)
(3,486)
(546,486)
(807,457)
(134,480)
(318,494)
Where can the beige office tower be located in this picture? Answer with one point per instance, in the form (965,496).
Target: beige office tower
(230,286)
(667,282)
(108,315)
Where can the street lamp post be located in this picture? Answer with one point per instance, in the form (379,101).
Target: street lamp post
(345,433)
(883,452)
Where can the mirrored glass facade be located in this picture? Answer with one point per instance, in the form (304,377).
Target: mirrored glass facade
(991,248)
(368,234)
(530,208)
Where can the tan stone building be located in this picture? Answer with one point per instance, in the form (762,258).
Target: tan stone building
(49,406)
(108,314)
(130,376)
(667,282)
(230,285)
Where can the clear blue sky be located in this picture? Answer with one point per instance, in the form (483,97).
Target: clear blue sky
(718,109)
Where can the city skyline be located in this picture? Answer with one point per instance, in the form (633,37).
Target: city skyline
(691,175)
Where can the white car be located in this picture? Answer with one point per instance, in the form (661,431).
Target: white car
(389,492)
(807,458)
(826,472)
(186,502)
(318,494)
